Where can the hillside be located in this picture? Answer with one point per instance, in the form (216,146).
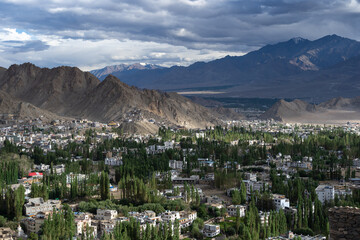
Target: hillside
(334,111)
(23,110)
(56,90)
(70,92)
(114,100)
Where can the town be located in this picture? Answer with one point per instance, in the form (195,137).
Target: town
(245,180)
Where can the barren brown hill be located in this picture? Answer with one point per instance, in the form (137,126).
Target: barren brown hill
(68,91)
(114,100)
(56,89)
(334,111)
(23,110)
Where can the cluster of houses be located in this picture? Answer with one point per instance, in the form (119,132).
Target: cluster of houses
(105,220)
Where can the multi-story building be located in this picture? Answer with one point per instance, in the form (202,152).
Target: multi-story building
(36,205)
(113,161)
(325,193)
(232,210)
(72,176)
(83,225)
(170,216)
(211,230)
(106,214)
(33,224)
(250,176)
(280,201)
(173,164)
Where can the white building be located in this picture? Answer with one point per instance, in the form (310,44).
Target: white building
(232,209)
(173,164)
(325,193)
(113,161)
(211,230)
(83,224)
(170,216)
(280,201)
(36,205)
(106,214)
(71,177)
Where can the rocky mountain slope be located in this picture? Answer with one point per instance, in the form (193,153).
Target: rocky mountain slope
(122,70)
(70,92)
(336,110)
(272,71)
(22,110)
(56,90)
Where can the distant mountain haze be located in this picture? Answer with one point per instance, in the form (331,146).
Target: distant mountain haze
(298,68)
(122,69)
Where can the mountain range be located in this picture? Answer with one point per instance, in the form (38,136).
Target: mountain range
(334,111)
(298,68)
(69,92)
(122,70)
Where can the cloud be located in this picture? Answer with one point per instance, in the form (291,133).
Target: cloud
(93,33)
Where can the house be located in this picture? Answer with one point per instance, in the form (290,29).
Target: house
(71,177)
(187,218)
(34,223)
(173,164)
(113,161)
(232,210)
(325,193)
(107,226)
(170,216)
(82,222)
(250,176)
(264,217)
(280,201)
(211,230)
(106,214)
(36,205)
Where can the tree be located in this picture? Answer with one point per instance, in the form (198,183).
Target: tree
(243,193)
(236,197)
(237,220)
(104,186)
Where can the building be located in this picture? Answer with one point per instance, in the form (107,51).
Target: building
(36,205)
(264,217)
(325,193)
(107,226)
(71,177)
(106,214)
(33,224)
(170,216)
(211,230)
(280,201)
(187,218)
(173,164)
(232,210)
(83,225)
(113,161)
(250,176)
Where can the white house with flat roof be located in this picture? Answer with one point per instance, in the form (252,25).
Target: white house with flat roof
(325,193)
(280,201)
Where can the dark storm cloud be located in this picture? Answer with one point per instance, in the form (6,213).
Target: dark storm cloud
(24,46)
(219,25)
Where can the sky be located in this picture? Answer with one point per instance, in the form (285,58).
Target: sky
(93,34)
